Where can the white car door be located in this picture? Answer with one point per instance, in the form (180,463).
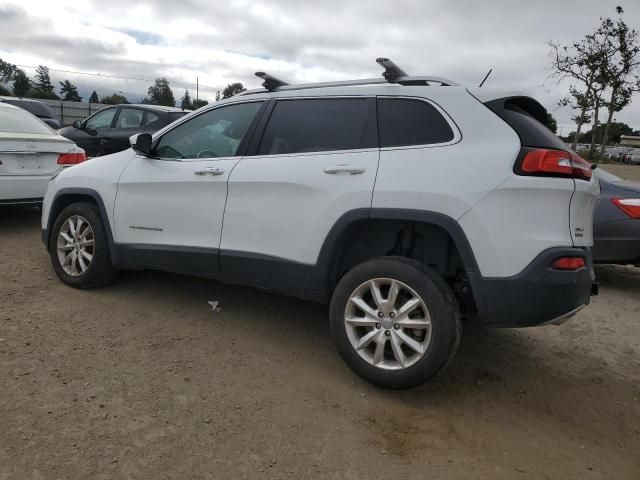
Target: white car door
(317,160)
(169,207)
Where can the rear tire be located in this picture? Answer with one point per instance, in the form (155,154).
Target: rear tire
(79,247)
(395,322)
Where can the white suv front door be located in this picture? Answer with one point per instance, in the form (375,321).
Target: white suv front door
(317,160)
(174,201)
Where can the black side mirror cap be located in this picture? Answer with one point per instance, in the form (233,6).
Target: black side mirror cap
(77,124)
(141,143)
(594,166)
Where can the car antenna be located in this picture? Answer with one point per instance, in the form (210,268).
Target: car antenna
(485,78)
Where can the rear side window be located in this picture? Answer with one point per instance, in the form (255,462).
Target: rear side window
(405,122)
(319,125)
(532,132)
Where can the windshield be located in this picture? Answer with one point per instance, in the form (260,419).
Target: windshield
(606,176)
(15,120)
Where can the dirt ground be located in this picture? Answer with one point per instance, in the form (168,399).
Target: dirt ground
(142,380)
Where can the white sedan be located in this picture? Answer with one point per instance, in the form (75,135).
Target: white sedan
(30,154)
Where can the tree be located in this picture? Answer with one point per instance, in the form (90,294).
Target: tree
(552,124)
(21,83)
(584,61)
(69,92)
(7,70)
(94,98)
(42,87)
(185,101)
(4,91)
(160,93)
(114,99)
(232,89)
(622,71)
(196,104)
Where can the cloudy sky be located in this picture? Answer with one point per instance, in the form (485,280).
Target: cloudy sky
(300,40)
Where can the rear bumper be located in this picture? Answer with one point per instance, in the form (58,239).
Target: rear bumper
(537,295)
(617,242)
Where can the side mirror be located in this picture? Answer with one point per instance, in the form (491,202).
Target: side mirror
(141,143)
(77,124)
(594,166)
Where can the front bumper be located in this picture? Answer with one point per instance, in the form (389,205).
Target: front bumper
(537,295)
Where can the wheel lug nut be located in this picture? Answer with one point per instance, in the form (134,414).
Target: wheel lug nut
(387,333)
(392,315)
(396,326)
(380,314)
(378,325)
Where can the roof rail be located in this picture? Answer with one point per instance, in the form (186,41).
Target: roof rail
(391,74)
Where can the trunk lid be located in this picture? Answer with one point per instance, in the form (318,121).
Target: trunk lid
(31,154)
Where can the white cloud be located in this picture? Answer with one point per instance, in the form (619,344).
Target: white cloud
(302,41)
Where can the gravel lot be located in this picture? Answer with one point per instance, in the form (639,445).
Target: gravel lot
(142,380)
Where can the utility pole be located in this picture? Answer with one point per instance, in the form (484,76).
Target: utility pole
(197,87)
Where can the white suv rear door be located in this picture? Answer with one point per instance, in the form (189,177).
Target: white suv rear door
(175,202)
(317,159)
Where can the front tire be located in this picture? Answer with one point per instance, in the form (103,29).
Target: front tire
(79,247)
(395,322)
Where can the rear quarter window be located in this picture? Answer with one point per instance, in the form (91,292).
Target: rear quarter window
(406,122)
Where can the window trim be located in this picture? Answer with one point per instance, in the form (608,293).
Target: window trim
(272,104)
(457,134)
(242,148)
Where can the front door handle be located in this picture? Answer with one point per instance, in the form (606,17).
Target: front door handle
(213,171)
(350,169)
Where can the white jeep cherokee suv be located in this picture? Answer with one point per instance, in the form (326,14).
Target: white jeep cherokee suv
(403,201)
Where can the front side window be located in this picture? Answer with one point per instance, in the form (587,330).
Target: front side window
(405,122)
(319,125)
(216,133)
(101,119)
(129,118)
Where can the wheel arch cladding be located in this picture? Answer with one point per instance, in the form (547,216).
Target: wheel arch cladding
(69,196)
(362,234)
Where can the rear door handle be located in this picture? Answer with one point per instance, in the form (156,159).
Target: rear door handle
(213,171)
(350,169)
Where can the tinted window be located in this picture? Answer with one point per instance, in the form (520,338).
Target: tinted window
(318,125)
(129,118)
(532,132)
(101,119)
(151,118)
(406,122)
(14,120)
(216,133)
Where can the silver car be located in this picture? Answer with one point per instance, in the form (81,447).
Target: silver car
(30,154)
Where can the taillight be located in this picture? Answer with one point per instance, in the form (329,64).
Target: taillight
(630,206)
(555,163)
(72,157)
(568,263)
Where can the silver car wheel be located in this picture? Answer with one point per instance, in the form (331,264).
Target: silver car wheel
(388,323)
(75,245)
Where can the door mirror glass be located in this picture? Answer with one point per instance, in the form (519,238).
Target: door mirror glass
(77,124)
(141,143)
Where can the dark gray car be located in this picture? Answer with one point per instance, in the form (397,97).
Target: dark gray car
(617,221)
